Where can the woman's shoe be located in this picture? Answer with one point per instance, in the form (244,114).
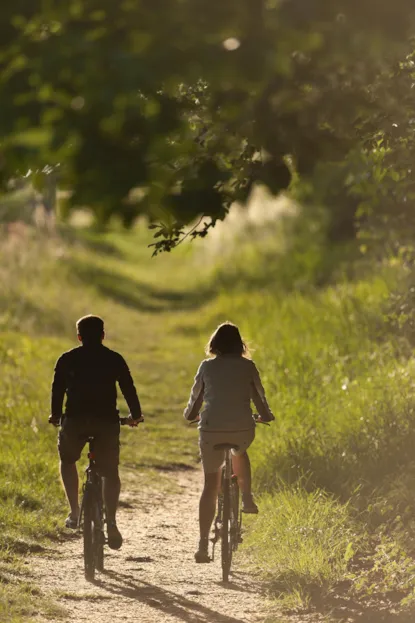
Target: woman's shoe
(71,522)
(249,506)
(202,555)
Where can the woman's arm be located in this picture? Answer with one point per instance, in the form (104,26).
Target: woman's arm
(258,397)
(196,396)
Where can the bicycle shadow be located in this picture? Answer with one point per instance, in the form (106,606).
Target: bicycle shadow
(168,602)
(237,583)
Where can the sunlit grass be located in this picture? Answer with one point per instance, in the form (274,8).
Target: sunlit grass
(301,541)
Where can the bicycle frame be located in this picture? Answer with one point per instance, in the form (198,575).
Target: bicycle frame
(93,481)
(92,515)
(228,522)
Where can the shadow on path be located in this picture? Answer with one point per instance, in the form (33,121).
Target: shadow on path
(185,610)
(340,607)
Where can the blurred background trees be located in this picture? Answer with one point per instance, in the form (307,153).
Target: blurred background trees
(175,109)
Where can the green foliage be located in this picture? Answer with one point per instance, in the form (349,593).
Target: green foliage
(175,109)
(301,541)
(390,570)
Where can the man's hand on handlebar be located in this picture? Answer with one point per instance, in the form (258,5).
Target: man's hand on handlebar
(133,422)
(54,420)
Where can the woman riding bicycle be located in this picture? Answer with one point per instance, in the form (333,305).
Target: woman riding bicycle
(226,383)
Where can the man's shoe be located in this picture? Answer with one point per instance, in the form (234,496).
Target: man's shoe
(202,557)
(114,535)
(71,522)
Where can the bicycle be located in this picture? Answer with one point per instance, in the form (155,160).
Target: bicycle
(92,514)
(228,522)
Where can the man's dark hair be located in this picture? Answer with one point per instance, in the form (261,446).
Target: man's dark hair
(90,328)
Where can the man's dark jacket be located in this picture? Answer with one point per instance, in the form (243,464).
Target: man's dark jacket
(88,376)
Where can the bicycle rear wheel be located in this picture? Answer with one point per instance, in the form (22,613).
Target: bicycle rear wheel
(235,530)
(99,539)
(226,530)
(88,534)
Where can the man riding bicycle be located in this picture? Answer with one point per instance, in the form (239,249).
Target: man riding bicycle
(87,375)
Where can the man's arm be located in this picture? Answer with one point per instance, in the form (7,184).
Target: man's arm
(126,383)
(196,397)
(58,392)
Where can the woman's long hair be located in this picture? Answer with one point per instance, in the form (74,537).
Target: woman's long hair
(227,340)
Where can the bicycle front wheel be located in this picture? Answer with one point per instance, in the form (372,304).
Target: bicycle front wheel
(226,530)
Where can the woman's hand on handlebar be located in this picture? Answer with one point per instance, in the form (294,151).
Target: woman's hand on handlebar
(195,421)
(258,420)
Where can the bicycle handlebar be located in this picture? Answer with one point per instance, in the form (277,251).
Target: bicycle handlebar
(256,417)
(125,421)
(259,421)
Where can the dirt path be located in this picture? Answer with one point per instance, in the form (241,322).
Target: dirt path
(153,577)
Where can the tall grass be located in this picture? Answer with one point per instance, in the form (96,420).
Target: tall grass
(343,396)
(340,380)
(294,533)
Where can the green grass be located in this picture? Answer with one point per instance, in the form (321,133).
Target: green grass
(335,469)
(340,380)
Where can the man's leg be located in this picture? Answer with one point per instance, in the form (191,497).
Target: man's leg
(111,491)
(107,449)
(69,475)
(70,445)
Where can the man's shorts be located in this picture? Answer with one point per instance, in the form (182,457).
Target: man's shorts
(74,434)
(212,460)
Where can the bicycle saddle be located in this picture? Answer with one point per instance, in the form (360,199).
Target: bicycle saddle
(225,446)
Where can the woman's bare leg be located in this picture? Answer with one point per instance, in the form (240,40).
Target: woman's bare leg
(207,506)
(242,469)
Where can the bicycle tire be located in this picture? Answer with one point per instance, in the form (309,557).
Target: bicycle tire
(88,535)
(99,539)
(234,520)
(226,529)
